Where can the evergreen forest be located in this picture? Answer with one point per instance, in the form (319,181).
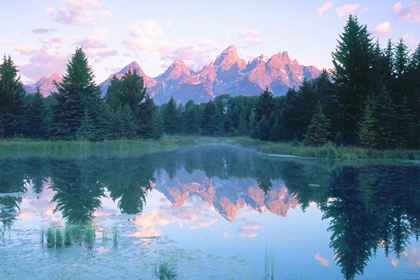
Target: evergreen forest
(371,99)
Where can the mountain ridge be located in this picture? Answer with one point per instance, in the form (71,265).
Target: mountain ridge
(227,73)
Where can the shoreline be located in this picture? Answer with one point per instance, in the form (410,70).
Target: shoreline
(23,146)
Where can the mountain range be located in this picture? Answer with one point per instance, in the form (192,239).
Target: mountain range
(228,73)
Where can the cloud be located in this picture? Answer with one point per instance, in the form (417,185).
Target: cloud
(409,38)
(383,29)
(346,9)
(43,62)
(250,37)
(398,7)
(5,41)
(410,14)
(26,49)
(43,30)
(96,49)
(147,28)
(322,260)
(58,38)
(412,256)
(249,230)
(78,12)
(325,7)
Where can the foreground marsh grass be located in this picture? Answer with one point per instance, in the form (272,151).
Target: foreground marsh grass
(57,236)
(269,263)
(165,270)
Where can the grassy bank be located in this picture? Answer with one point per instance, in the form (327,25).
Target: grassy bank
(26,146)
(328,151)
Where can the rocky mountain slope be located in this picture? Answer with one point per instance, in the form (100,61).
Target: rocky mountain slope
(228,73)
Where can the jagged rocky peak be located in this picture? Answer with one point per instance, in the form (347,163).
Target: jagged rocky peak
(280,58)
(177,69)
(228,58)
(133,66)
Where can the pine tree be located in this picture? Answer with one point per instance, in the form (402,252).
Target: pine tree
(318,132)
(368,128)
(211,122)
(354,74)
(36,116)
(192,118)
(171,117)
(78,98)
(12,96)
(150,122)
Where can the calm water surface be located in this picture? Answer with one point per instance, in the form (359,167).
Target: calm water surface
(215,212)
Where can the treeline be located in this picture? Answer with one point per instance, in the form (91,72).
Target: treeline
(371,99)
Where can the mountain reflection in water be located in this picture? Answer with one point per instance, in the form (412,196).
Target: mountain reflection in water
(369,205)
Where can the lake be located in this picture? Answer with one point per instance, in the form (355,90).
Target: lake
(210,212)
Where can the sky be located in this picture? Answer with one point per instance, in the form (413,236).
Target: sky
(42,35)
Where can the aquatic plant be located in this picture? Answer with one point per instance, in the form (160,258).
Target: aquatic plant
(68,235)
(269,263)
(165,270)
(58,237)
(115,235)
(50,236)
(89,233)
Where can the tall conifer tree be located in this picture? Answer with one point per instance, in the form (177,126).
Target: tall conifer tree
(354,74)
(77,102)
(12,96)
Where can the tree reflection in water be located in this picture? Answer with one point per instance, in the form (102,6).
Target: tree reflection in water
(368,205)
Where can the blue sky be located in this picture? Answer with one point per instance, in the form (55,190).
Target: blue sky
(41,35)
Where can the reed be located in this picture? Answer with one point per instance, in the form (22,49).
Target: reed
(115,235)
(58,237)
(50,237)
(269,263)
(89,233)
(68,235)
(165,270)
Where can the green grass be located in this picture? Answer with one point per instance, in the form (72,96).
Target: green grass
(325,152)
(165,270)
(269,263)
(16,146)
(57,236)
(330,151)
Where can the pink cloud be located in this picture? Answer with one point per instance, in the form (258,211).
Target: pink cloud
(346,9)
(26,49)
(251,37)
(398,7)
(322,260)
(383,29)
(5,41)
(412,256)
(149,28)
(78,12)
(44,62)
(411,13)
(325,7)
(58,38)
